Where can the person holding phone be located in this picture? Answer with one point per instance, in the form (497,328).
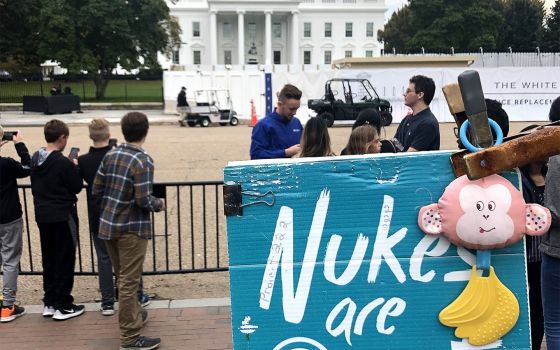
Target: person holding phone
(11,223)
(55,182)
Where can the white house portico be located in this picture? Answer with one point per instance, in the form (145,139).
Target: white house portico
(238,32)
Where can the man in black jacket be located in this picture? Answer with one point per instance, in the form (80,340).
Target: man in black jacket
(55,181)
(11,224)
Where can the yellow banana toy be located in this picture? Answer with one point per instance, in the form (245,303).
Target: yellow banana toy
(485,311)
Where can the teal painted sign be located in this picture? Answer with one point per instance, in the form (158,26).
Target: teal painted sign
(339,262)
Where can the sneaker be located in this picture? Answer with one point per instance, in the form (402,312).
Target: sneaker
(144,300)
(48,311)
(107,310)
(69,312)
(142,343)
(10,313)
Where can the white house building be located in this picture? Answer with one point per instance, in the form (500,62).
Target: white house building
(295,32)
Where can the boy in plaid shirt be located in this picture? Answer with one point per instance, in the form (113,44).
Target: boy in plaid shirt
(124,183)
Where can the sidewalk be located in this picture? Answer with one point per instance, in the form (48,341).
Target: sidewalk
(201,324)
(18,118)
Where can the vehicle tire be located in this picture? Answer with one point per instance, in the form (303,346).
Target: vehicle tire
(329,119)
(233,121)
(386,118)
(223,124)
(191,123)
(205,122)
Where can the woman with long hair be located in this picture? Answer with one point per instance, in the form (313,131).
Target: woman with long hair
(363,140)
(315,141)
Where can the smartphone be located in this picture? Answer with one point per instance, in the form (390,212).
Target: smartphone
(113,143)
(73,153)
(9,135)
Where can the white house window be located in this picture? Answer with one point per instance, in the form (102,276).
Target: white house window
(252,31)
(175,58)
(227,57)
(328,29)
(196,29)
(348,53)
(227,30)
(277,57)
(369,53)
(277,30)
(307,29)
(306,57)
(348,29)
(369,29)
(328,57)
(196,57)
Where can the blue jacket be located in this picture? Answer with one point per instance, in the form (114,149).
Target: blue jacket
(273,134)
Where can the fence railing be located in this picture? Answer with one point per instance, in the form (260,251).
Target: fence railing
(118,90)
(189,236)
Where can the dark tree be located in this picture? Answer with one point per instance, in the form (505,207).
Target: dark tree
(19,34)
(397,31)
(438,25)
(523,25)
(551,35)
(98,35)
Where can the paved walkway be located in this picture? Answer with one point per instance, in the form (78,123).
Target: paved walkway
(201,324)
(17,118)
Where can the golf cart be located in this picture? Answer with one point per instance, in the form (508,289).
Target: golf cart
(211,106)
(344,99)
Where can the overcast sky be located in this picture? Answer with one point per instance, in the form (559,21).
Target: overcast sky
(394,5)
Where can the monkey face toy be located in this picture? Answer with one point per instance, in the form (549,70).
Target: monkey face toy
(483,214)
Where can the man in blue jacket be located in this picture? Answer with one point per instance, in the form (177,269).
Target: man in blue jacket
(279,133)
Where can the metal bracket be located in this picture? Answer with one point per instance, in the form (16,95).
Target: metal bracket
(233,199)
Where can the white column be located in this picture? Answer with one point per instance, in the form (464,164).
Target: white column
(295,37)
(213,37)
(268,37)
(241,36)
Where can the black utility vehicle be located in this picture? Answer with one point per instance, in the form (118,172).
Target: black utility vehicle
(346,98)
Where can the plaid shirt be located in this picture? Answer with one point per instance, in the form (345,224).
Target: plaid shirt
(124,183)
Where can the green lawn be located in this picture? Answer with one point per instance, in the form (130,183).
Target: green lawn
(117,90)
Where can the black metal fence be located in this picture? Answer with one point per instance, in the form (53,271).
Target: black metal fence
(131,89)
(189,237)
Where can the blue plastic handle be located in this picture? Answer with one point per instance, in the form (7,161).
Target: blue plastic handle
(483,260)
(465,140)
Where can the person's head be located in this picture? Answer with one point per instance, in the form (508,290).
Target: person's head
(496,113)
(369,116)
(363,140)
(183,88)
(134,126)
(99,130)
(315,140)
(67,90)
(554,113)
(288,101)
(56,133)
(420,91)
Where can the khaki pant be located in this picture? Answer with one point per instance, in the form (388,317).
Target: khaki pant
(127,253)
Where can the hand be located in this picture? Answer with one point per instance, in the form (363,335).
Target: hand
(2,143)
(18,137)
(292,151)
